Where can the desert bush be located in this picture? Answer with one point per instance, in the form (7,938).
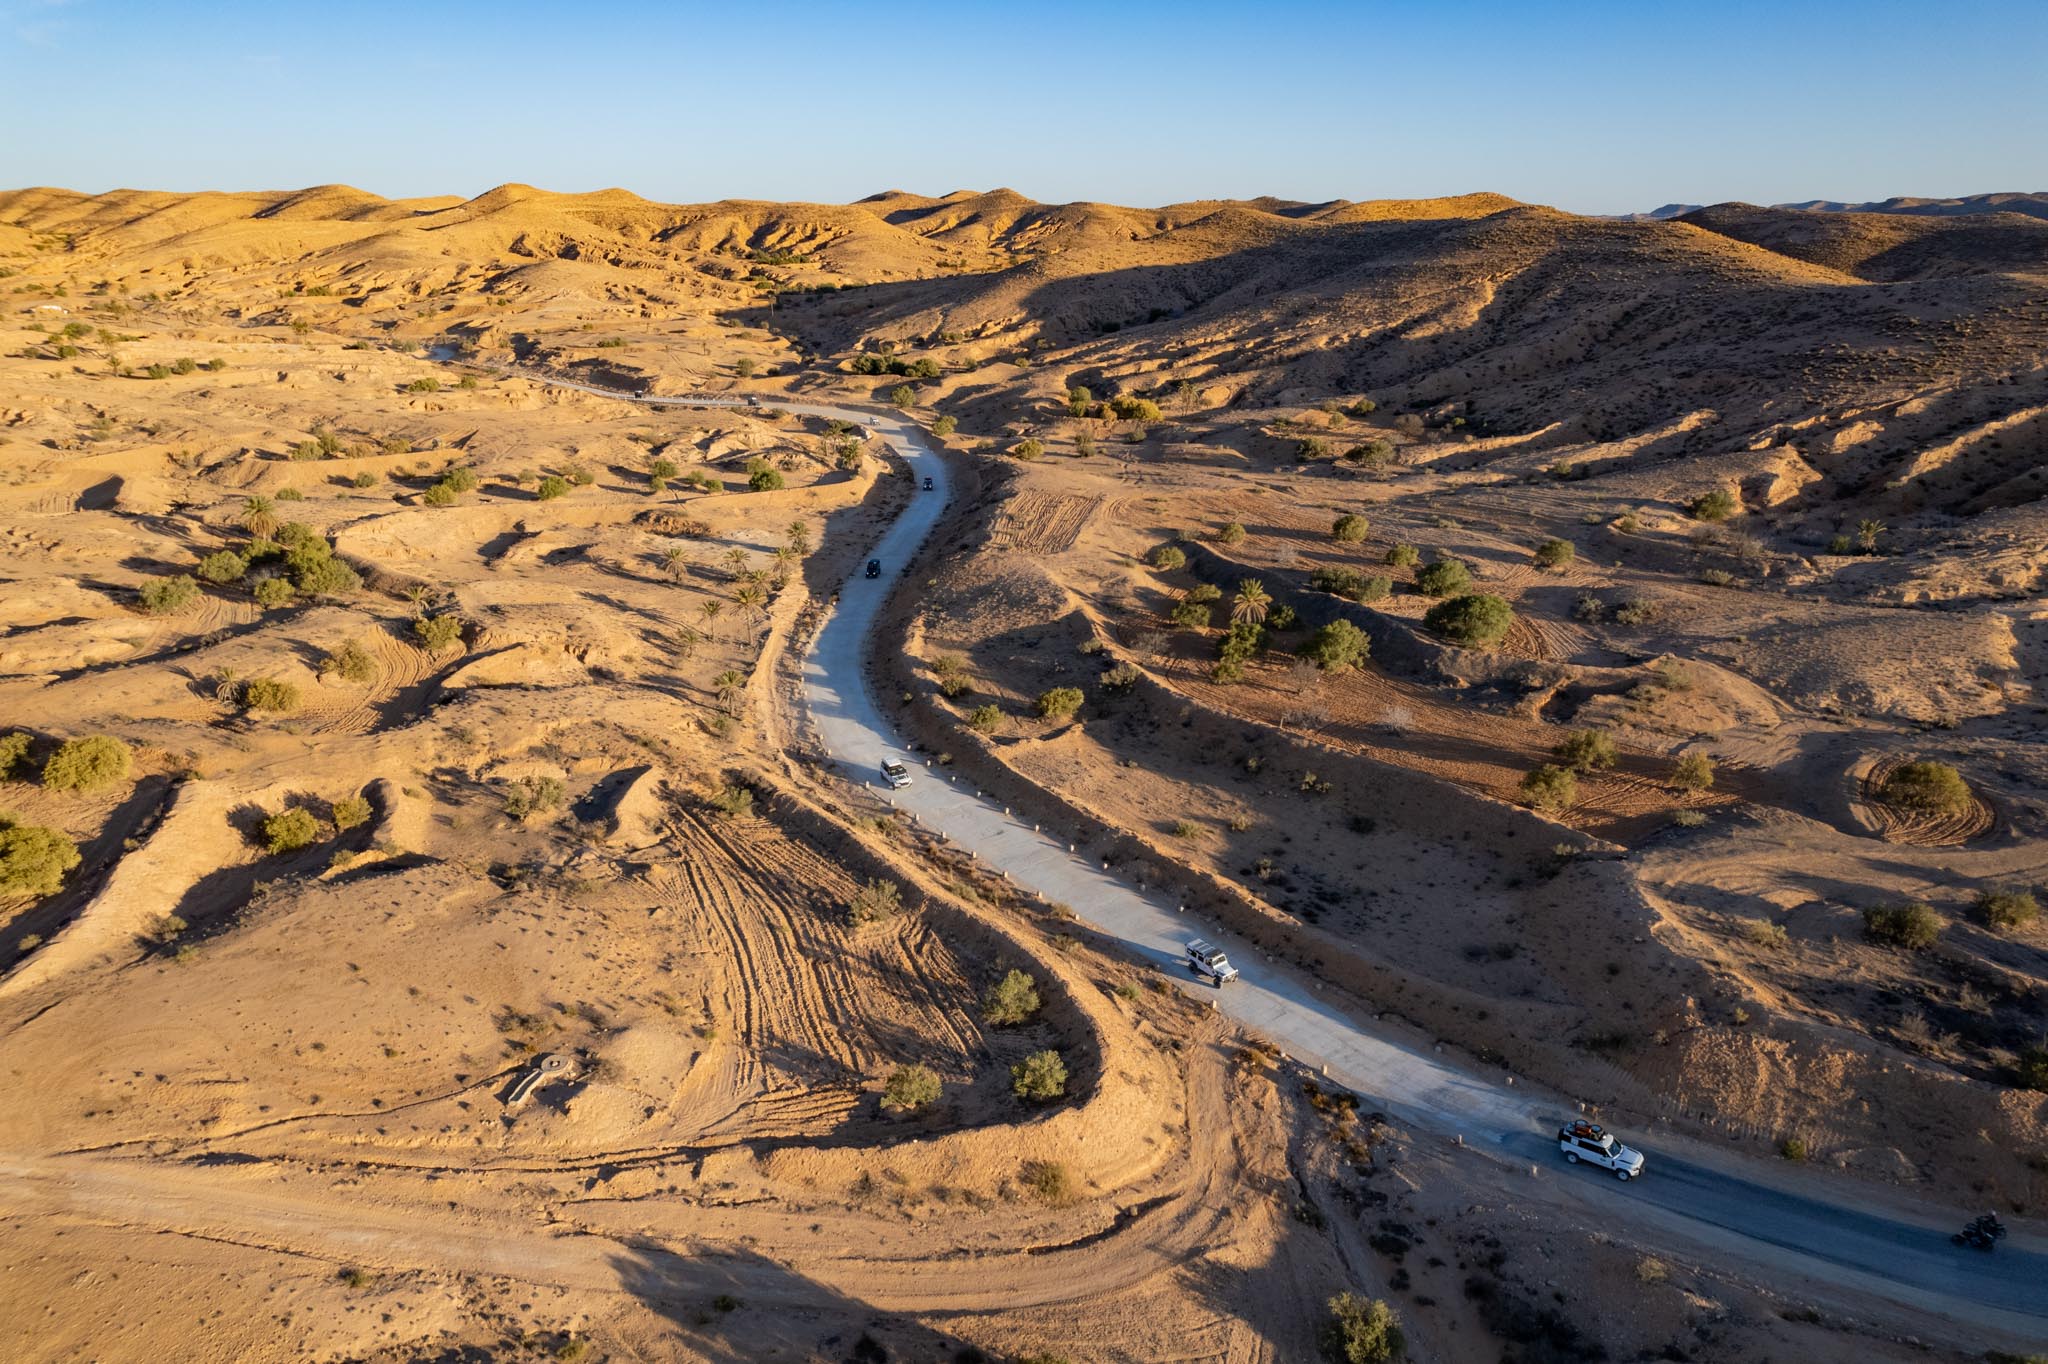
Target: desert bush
(1120,678)
(168,596)
(1040,1077)
(1059,703)
(903,396)
(1350,529)
(1311,448)
(579,475)
(1549,788)
(88,764)
(1337,647)
(270,694)
(1764,933)
(1403,556)
(1476,620)
(1135,409)
(1205,592)
(733,801)
(365,479)
(351,663)
(1373,453)
(427,385)
(1637,611)
(2002,909)
(1028,449)
(34,860)
(1793,1149)
(1361,1330)
(955,685)
(460,479)
(552,487)
(1169,558)
(943,427)
(1930,787)
(1910,927)
(660,471)
(289,830)
(910,1088)
(763,477)
(440,495)
(13,753)
(1589,607)
(2030,1070)
(1554,553)
(351,811)
(1443,578)
(1693,772)
(1718,505)
(984,719)
(1050,1182)
(223,566)
(1232,534)
(1011,1000)
(1587,750)
(438,634)
(874,902)
(527,796)
(1283,617)
(272,593)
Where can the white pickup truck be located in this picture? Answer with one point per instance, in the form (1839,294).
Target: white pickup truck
(1208,960)
(1587,1142)
(895,773)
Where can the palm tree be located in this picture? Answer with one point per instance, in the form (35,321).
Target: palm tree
(676,560)
(709,610)
(1251,601)
(735,560)
(259,516)
(687,641)
(751,597)
(1867,533)
(799,537)
(732,686)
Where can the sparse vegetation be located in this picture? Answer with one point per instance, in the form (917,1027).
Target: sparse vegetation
(1040,1077)
(33,860)
(1361,1330)
(1350,529)
(289,830)
(1477,621)
(1929,788)
(2007,910)
(1910,927)
(910,1088)
(91,763)
(1011,1000)
(1050,1182)
(535,795)
(1550,788)
(1587,750)
(1443,578)
(874,902)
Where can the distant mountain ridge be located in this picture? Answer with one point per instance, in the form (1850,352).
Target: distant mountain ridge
(2033,205)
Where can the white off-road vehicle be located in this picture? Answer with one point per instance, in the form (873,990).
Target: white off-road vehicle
(1587,1142)
(1208,960)
(895,773)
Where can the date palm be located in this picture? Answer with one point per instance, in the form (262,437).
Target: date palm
(259,516)
(732,688)
(735,560)
(709,610)
(1867,533)
(676,560)
(1251,601)
(799,537)
(751,597)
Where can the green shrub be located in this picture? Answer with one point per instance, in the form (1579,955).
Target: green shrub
(1059,703)
(1011,1000)
(1764,933)
(1231,534)
(1549,788)
(223,566)
(1403,556)
(1040,1077)
(943,427)
(270,694)
(169,596)
(733,801)
(1718,505)
(2030,1071)
(1587,750)
(2002,909)
(440,495)
(1205,592)
(1169,558)
(33,860)
(763,477)
(1190,614)
(910,1088)
(1051,1183)
(1928,787)
(351,811)
(367,478)
(1444,578)
(1911,927)
(289,830)
(1554,554)
(1028,449)
(272,593)
(88,764)
(983,719)
(438,634)
(552,487)
(1477,621)
(1693,772)
(427,385)
(460,479)
(1361,1331)
(1337,647)
(1793,1149)
(1135,409)
(13,753)
(874,902)
(351,662)
(903,396)
(324,576)
(1283,617)
(1350,529)
(535,796)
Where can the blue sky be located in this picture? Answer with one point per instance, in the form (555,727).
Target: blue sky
(1594,107)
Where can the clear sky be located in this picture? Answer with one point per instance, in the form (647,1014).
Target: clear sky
(1595,107)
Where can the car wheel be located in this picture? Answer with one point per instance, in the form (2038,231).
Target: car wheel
(1621,1175)
(1571,1158)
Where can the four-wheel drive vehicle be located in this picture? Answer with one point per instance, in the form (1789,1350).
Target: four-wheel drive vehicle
(927,482)
(1208,960)
(895,773)
(1586,1141)
(874,568)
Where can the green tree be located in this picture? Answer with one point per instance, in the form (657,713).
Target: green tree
(1475,621)
(1011,1000)
(984,719)
(910,1088)
(763,477)
(351,811)
(223,566)
(1040,1077)
(943,427)
(1361,1331)
(88,764)
(259,516)
(1337,647)
(903,396)
(1867,532)
(1403,556)
(272,593)
(34,860)
(1444,578)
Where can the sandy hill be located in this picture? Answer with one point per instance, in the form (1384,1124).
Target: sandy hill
(1888,245)
(2033,205)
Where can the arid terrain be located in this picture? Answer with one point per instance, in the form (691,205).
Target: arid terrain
(430,930)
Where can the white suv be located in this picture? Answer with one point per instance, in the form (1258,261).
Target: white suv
(895,773)
(1585,1141)
(1207,960)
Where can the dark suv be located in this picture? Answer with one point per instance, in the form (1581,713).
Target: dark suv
(874,568)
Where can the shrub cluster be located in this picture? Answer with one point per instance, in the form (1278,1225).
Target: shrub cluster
(1476,621)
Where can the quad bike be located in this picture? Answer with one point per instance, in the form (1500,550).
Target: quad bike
(1982,1234)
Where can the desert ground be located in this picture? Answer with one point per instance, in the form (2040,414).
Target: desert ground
(432,931)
